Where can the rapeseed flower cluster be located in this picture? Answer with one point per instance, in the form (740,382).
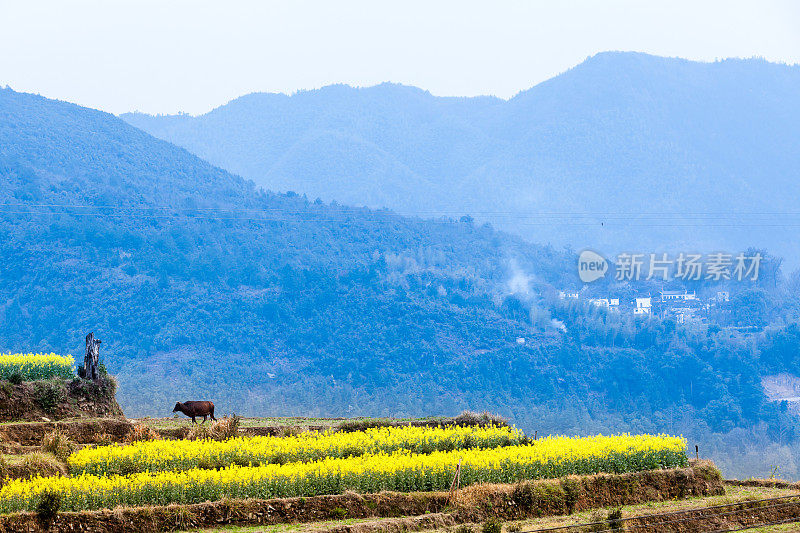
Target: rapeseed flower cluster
(159,456)
(31,367)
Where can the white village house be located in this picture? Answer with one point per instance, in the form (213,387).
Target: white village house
(612,304)
(643,306)
(673,296)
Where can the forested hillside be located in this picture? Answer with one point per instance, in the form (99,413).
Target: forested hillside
(580,159)
(202,286)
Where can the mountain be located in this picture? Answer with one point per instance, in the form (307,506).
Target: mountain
(200,284)
(203,286)
(625,151)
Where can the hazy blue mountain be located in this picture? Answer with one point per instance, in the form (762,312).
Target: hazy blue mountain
(202,286)
(624,151)
(199,284)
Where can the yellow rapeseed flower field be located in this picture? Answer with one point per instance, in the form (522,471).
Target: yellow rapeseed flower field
(551,457)
(158,456)
(30,366)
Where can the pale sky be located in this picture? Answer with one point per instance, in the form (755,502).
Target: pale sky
(165,56)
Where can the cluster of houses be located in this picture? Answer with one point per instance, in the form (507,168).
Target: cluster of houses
(683,306)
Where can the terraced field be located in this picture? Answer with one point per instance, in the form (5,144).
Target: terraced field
(401,458)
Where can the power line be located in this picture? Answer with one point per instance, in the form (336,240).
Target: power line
(456,212)
(650,219)
(382,217)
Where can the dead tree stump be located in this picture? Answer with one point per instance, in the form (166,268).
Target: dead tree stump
(91,359)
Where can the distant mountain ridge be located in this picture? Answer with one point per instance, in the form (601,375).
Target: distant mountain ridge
(625,151)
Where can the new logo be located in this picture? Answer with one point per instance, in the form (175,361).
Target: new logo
(591,266)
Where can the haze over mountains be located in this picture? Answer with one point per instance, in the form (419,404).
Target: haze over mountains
(201,285)
(625,151)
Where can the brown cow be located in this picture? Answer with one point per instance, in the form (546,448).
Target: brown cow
(194,409)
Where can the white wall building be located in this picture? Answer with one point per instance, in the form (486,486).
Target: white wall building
(612,304)
(642,306)
(677,296)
